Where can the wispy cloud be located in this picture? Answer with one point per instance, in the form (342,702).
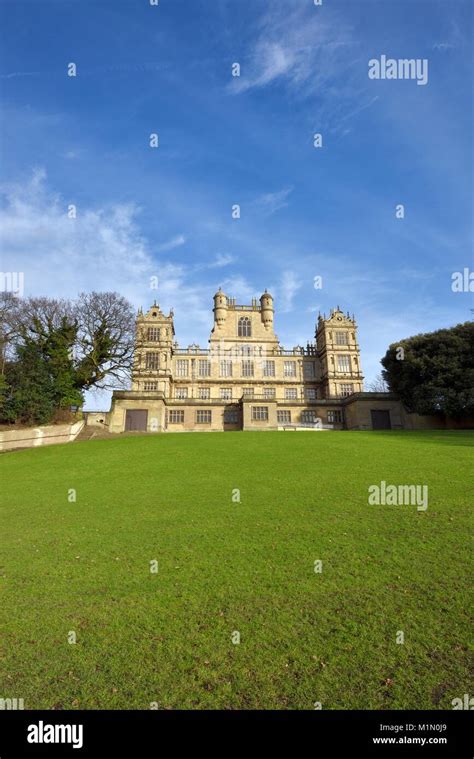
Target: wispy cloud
(238,287)
(103,248)
(175,242)
(271,202)
(222,259)
(287,289)
(292,46)
(15,74)
(454,38)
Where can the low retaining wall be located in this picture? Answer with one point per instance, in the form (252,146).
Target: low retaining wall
(31,437)
(96,419)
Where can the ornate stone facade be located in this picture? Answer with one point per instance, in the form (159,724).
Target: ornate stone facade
(245,379)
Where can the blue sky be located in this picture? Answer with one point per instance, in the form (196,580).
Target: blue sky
(223,140)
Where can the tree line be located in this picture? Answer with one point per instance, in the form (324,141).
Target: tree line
(53,350)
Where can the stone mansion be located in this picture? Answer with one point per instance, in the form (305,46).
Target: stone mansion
(245,379)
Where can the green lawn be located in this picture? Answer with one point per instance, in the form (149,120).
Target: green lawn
(305,637)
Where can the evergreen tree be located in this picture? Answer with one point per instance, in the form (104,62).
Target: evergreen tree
(30,398)
(434,372)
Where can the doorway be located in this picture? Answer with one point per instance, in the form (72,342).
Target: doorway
(136,420)
(381,420)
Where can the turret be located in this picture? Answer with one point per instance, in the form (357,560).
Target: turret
(220,308)
(266,308)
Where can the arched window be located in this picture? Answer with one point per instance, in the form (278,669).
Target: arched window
(245,327)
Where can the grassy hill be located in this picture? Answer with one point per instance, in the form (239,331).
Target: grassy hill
(227,567)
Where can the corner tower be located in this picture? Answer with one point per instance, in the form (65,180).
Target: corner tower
(154,335)
(339,354)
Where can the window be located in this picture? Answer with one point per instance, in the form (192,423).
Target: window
(308,417)
(310,393)
(181,392)
(291,393)
(226,393)
(268,368)
(247,392)
(204,393)
(268,393)
(347,390)
(290,368)
(231,416)
(244,327)
(204,368)
(153,334)
(151,386)
(247,368)
(342,338)
(226,369)
(344,363)
(308,369)
(260,413)
(334,417)
(152,360)
(175,416)
(182,367)
(283,417)
(204,416)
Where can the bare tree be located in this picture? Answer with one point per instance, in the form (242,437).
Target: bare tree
(106,334)
(379,385)
(103,324)
(37,317)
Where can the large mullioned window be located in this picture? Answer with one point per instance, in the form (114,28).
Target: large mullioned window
(226,369)
(153,334)
(151,386)
(260,413)
(204,368)
(175,416)
(344,363)
(203,416)
(244,328)
(247,368)
(268,368)
(182,367)
(284,416)
(152,360)
(290,368)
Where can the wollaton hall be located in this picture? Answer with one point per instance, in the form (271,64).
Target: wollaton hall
(245,379)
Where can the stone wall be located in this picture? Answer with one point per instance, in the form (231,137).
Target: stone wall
(30,437)
(358,407)
(97,419)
